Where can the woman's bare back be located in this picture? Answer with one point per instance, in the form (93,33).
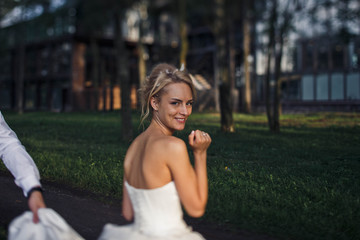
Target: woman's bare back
(145,161)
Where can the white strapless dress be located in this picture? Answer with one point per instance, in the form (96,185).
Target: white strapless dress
(157,215)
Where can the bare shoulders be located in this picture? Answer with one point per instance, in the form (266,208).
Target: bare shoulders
(171,140)
(160,146)
(164,141)
(170,144)
(146,161)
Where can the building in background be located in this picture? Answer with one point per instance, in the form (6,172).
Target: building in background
(48,63)
(328,75)
(48,60)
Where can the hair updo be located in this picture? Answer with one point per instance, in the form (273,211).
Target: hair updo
(162,75)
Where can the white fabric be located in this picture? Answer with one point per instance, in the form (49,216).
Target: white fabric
(157,215)
(16,159)
(51,227)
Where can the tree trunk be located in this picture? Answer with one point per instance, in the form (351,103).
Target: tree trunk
(104,83)
(267,88)
(246,46)
(95,61)
(277,92)
(141,63)
(96,73)
(122,76)
(282,31)
(271,45)
(111,94)
(232,66)
(141,46)
(20,65)
(183,32)
(227,122)
(253,49)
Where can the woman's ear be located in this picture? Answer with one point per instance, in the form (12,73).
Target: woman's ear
(154,103)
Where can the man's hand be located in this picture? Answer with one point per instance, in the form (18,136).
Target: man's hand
(35,202)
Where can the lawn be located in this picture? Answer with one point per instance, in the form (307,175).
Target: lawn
(303,183)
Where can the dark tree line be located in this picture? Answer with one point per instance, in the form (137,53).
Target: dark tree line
(225,18)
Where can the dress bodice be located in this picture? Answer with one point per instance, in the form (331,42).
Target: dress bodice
(157,211)
(157,216)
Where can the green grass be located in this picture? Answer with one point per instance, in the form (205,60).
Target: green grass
(303,183)
(3,233)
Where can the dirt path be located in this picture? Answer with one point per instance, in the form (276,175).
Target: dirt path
(88,215)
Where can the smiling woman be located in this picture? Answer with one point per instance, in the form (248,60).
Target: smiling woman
(161,76)
(172,109)
(158,175)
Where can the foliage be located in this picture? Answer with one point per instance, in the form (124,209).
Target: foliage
(6,6)
(341,17)
(302,183)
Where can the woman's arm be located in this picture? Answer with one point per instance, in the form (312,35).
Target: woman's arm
(191,183)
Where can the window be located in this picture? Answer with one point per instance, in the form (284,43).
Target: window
(307,87)
(353,86)
(337,86)
(322,87)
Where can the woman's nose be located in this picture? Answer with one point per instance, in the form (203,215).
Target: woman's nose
(184,110)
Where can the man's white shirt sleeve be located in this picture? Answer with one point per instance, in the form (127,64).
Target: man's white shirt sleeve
(16,159)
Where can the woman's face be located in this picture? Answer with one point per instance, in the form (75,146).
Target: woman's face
(174,107)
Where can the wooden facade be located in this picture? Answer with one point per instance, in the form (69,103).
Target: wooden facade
(49,63)
(57,78)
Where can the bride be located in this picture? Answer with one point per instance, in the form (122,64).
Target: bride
(158,175)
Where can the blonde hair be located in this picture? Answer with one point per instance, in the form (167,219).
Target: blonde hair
(162,75)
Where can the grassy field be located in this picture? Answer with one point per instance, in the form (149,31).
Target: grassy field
(303,183)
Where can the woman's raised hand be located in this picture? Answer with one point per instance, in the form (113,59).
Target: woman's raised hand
(199,141)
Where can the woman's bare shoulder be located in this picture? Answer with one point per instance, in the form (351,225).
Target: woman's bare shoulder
(160,146)
(134,143)
(171,142)
(169,146)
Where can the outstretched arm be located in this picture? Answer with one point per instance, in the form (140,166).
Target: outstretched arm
(21,165)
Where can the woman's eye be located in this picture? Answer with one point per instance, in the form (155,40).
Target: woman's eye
(175,103)
(189,104)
